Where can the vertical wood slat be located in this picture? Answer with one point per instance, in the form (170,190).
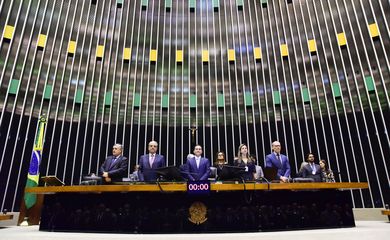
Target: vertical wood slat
(64,88)
(285,79)
(11,39)
(74,179)
(86,144)
(351,99)
(14,86)
(375,121)
(318,90)
(306,141)
(94,103)
(236,72)
(254,89)
(262,64)
(132,80)
(300,82)
(127,53)
(25,153)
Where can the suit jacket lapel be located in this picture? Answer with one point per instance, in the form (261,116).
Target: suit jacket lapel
(156,159)
(112,159)
(193,162)
(147,159)
(277,160)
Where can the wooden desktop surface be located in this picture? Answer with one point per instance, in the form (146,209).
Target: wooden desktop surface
(181,187)
(386,212)
(6,217)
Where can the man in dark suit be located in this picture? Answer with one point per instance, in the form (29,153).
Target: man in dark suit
(279,161)
(312,170)
(114,168)
(198,166)
(148,163)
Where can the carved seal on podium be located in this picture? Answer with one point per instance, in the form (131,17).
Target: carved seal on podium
(197,213)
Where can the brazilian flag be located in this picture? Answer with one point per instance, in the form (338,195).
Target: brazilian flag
(33,172)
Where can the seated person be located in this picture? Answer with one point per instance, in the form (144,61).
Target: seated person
(184,167)
(259,173)
(279,161)
(134,175)
(244,159)
(114,168)
(198,166)
(303,164)
(312,170)
(327,174)
(148,163)
(220,162)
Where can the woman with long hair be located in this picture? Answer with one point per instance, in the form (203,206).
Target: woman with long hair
(220,162)
(244,159)
(327,174)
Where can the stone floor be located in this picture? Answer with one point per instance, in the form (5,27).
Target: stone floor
(364,230)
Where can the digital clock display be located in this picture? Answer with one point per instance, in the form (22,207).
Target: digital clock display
(198,187)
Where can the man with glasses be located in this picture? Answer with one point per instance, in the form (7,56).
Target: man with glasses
(114,168)
(279,161)
(148,163)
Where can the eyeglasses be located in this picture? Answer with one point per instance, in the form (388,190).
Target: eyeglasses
(152,145)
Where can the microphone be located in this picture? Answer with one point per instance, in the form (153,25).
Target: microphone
(264,178)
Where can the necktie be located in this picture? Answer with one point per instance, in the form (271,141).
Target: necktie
(151,160)
(113,162)
(278,157)
(197,162)
(313,167)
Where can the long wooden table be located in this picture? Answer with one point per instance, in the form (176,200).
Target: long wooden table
(168,208)
(386,212)
(6,217)
(182,187)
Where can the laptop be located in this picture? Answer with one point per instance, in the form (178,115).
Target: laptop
(52,181)
(270,173)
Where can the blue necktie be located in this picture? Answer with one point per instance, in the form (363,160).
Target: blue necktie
(113,162)
(280,160)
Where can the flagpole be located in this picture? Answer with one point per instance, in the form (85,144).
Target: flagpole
(33,172)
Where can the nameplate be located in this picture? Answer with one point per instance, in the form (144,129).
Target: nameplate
(198,187)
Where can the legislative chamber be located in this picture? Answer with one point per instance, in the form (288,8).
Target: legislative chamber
(173,208)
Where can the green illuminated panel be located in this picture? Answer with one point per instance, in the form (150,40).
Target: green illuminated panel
(145,4)
(193,101)
(336,89)
(165,101)
(13,86)
(221,100)
(108,98)
(192,3)
(305,94)
(240,3)
(277,98)
(248,99)
(215,4)
(370,83)
(137,100)
(48,91)
(79,96)
(168,4)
